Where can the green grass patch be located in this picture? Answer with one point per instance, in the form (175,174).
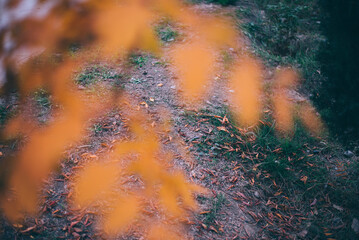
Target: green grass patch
(166,32)
(138,60)
(95,73)
(42,99)
(216,204)
(96,128)
(5,113)
(43,105)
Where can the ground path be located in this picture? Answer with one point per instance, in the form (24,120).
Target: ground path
(237,206)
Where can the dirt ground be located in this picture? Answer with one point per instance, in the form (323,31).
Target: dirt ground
(238,206)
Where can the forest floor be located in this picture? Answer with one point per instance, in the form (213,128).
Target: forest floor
(261,186)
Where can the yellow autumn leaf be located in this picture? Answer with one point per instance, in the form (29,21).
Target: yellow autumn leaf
(310,118)
(174,189)
(161,232)
(194,64)
(94,182)
(124,26)
(246,83)
(124,212)
(217,31)
(285,80)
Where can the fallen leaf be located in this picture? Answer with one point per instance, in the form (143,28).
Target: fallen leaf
(144,104)
(304,179)
(75,234)
(222,129)
(204,212)
(28,229)
(314,202)
(339,208)
(77,230)
(213,229)
(278,193)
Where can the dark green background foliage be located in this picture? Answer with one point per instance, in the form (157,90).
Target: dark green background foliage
(289,20)
(284,24)
(223,2)
(338,96)
(320,38)
(286,33)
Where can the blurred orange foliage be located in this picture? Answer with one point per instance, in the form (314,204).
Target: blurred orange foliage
(195,63)
(246,83)
(117,28)
(283,108)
